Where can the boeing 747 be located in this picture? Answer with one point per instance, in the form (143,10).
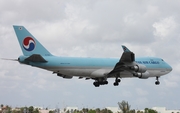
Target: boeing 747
(97,69)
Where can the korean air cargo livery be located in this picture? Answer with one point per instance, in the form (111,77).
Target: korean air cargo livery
(97,69)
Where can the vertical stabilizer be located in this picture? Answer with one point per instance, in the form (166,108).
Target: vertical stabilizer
(29,44)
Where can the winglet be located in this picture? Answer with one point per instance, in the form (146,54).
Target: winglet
(125,49)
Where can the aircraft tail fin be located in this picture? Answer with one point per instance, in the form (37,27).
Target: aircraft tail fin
(29,44)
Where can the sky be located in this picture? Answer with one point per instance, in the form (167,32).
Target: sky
(90,28)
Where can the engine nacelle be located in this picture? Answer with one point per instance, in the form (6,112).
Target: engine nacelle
(64,76)
(139,68)
(142,75)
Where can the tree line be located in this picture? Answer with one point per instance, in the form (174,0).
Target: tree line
(124,106)
(8,109)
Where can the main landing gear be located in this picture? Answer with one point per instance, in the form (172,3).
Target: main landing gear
(116,83)
(157,81)
(97,83)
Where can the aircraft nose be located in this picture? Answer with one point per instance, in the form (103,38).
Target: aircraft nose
(169,68)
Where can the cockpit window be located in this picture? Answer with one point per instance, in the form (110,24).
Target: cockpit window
(162,59)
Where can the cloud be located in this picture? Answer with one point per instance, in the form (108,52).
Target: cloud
(164,27)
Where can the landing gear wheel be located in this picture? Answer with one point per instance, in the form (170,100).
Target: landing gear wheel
(157,82)
(106,82)
(118,80)
(116,83)
(96,84)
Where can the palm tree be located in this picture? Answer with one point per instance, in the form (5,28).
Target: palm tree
(98,110)
(31,109)
(124,106)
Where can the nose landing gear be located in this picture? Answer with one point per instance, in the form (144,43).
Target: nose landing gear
(157,81)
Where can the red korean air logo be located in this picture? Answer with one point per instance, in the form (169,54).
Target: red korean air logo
(29,44)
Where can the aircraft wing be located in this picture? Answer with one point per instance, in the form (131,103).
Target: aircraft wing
(127,57)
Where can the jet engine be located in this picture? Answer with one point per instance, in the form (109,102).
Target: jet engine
(64,76)
(142,75)
(139,68)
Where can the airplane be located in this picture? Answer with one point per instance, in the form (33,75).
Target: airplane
(97,69)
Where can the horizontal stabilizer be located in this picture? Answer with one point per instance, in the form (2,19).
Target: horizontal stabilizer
(9,59)
(36,58)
